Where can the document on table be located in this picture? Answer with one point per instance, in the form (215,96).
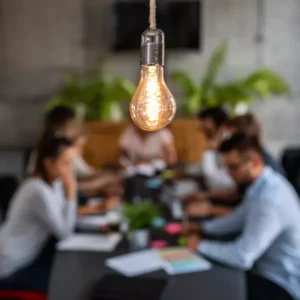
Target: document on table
(177,260)
(90,242)
(92,222)
(136,263)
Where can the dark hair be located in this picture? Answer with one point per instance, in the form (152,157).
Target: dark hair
(58,117)
(241,142)
(246,123)
(50,145)
(217,114)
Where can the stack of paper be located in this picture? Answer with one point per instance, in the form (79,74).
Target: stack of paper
(178,260)
(90,242)
(173,260)
(137,263)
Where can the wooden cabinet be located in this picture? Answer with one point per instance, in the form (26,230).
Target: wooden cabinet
(102,145)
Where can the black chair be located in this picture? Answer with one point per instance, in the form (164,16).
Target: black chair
(8,186)
(291,164)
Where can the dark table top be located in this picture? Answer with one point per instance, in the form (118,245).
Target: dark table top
(75,273)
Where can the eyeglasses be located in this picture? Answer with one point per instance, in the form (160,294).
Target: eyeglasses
(233,167)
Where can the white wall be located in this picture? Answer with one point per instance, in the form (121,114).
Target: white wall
(40,37)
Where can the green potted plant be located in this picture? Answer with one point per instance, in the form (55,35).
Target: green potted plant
(140,218)
(95,94)
(208,92)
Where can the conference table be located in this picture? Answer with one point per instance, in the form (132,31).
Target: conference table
(75,274)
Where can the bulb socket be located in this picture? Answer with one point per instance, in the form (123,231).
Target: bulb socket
(152,47)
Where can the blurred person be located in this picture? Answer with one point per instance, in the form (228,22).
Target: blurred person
(43,210)
(268,219)
(90,182)
(58,118)
(249,124)
(142,147)
(213,124)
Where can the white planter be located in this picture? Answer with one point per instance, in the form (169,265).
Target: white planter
(139,239)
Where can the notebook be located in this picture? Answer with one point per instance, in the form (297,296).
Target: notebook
(177,260)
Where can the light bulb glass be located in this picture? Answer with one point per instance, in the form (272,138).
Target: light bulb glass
(153,106)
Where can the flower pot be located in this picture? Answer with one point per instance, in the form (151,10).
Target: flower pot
(139,239)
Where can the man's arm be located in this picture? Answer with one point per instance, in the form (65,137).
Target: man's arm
(231,223)
(262,226)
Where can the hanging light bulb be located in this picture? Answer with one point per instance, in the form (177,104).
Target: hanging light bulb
(153,106)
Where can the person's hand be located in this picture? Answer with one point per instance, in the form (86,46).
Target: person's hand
(202,209)
(113,189)
(193,242)
(215,142)
(112,202)
(196,197)
(86,210)
(192,228)
(69,183)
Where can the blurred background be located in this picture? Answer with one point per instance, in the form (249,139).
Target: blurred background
(41,39)
(223,59)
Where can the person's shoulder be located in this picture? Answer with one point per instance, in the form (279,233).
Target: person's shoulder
(36,187)
(165,134)
(271,161)
(30,190)
(277,189)
(128,130)
(127,135)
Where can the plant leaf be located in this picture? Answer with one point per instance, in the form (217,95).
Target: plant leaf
(214,65)
(185,81)
(265,82)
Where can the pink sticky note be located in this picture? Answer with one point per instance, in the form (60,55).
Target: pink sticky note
(173,228)
(158,244)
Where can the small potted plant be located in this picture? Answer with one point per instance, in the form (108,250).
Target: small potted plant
(140,218)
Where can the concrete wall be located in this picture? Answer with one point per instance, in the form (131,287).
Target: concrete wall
(39,37)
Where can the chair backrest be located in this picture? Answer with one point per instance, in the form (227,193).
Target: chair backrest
(102,145)
(291,164)
(21,295)
(8,186)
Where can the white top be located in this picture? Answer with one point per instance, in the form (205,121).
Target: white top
(81,167)
(148,148)
(213,171)
(37,212)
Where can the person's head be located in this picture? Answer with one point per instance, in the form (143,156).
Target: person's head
(80,140)
(58,117)
(242,155)
(212,120)
(246,123)
(55,156)
(63,120)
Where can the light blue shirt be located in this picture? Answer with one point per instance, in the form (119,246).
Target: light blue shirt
(269,219)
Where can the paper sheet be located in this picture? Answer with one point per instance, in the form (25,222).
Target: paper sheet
(136,263)
(90,242)
(92,222)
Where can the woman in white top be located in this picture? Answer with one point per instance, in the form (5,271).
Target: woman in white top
(139,146)
(44,207)
(90,181)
